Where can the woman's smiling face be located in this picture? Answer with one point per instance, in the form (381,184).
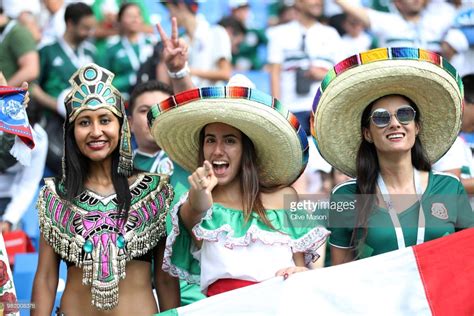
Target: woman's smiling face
(97,133)
(395,137)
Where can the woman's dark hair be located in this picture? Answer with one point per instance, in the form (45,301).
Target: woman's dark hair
(77,169)
(367,168)
(250,185)
(124,7)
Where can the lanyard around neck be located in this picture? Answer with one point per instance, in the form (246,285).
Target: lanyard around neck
(420,237)
(134,59)
(7,30)
(77,60)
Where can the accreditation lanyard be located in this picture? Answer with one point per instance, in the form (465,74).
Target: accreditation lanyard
(135,60)
(420,237)
(77,60)
(7,30)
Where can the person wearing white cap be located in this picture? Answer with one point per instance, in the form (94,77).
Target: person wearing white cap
(384,116)
(244,149)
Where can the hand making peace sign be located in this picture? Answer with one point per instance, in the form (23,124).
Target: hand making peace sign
(175,49)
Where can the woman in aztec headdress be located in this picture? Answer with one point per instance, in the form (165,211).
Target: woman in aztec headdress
(107,223)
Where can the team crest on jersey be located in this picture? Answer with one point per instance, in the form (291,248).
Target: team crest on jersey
(165,167)
(439,210)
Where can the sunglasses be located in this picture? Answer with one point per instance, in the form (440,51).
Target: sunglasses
(382,117)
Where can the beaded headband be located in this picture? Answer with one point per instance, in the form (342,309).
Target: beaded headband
(92,89)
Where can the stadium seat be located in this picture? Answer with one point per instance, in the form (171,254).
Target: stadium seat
(30,223)
(24,274)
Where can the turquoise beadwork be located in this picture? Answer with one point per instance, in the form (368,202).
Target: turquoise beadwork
(90,74)
(120,241)
(88,246)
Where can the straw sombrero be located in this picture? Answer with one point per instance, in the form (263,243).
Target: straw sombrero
(281,145)
(425,77)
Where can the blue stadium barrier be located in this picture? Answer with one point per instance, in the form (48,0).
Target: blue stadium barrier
(24,274)
(30,222)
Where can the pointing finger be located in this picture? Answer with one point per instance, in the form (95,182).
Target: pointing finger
(208,168)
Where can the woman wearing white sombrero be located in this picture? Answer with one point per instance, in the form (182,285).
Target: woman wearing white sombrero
(243,149)
(385,116)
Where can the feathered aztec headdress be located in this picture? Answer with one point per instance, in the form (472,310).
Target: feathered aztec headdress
(92,89)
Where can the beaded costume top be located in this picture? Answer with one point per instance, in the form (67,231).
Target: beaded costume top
(90,233)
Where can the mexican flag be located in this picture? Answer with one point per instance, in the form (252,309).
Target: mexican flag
(434,278)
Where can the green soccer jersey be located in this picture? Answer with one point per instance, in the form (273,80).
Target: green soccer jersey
(15,41)
(247,56)
(160,163)
(445,205)
(124,59)
(58,63)
(99,8)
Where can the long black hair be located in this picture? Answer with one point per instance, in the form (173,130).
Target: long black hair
(77,170)
(368,168)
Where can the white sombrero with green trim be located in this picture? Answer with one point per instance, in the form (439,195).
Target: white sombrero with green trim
(424,77)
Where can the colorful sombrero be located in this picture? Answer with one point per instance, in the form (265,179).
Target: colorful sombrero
(424,77)
(281,145)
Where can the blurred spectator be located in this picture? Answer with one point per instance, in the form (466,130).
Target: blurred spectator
(27,19)
(281,12)
(355,38)
(247,57)
(124,55)
(209,46)
(19,59)
(59,60)
(458,160)
(19,183)
(410,25)
(237,32)
(299,56)
(106,12)
(457,50)
(457,45)
(53,26)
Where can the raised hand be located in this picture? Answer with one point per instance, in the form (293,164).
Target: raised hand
(24,85)
(175,49)
(202,183)
(26,100)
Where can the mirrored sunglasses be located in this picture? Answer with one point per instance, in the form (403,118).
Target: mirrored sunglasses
(382,117)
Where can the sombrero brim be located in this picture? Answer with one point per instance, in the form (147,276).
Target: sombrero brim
(424,77)
(281,145)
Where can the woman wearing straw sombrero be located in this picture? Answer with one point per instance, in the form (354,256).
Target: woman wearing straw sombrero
(244,149)
(384,116)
